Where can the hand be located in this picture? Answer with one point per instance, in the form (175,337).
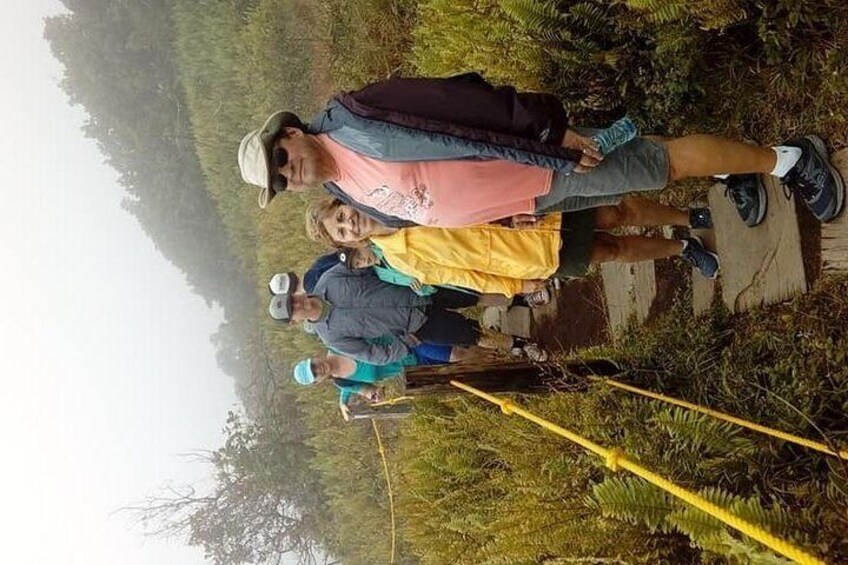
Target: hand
(345,412)
(374,394)
(591,156)
(531,286)
(524,220)
(416,285)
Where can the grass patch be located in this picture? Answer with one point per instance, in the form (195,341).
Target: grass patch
(476,483)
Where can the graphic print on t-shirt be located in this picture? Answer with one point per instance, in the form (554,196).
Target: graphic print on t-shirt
(412,205)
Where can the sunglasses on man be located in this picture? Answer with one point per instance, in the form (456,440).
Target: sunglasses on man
(279,159)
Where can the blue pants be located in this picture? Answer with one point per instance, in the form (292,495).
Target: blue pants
(430,354)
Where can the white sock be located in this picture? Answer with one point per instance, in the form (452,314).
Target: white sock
(786,159)
(722,176)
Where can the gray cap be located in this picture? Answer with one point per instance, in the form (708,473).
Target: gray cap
(281,307)
(282,283)
(256,148)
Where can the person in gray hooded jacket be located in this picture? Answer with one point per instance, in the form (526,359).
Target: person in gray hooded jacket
(348,309)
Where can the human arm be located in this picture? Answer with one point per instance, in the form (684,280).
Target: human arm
(365,390)
(524,220)
(591,157)
(374,353)
(348,389)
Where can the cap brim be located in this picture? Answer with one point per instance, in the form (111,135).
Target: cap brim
(265,196)
(268,133)
(281,311)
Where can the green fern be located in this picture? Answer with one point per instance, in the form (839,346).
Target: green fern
(591,17)
(712,535)
(701,433)
(535,15)
(633,500)
(710,14)
(638,502)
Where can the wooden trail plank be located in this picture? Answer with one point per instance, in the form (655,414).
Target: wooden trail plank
(630,289)
(761,265)
(834,235)
(703,289)
(520,376)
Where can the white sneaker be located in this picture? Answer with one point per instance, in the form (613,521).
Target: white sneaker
(538,298)
(535,353)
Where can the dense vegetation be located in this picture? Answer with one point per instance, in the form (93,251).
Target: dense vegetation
(473,486)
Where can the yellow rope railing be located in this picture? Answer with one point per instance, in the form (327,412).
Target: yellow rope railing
(392,401)
(616,460)
(726,417)
(388,486)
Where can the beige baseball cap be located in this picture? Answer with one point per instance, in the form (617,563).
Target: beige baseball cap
(283,283)
(280,307)
(255,150)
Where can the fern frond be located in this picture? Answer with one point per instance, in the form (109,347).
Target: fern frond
(701,432)
(535,15)
(633,500)
(712,535)
(710,14)
(591,17)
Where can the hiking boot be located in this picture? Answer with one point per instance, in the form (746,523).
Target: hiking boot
(529,350)
(700,257)
(748,195)
(814,179)
(700,219)
(538,298)
(534,353)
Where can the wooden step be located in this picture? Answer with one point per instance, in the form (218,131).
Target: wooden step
(630,289)
(834,236)
(761,265)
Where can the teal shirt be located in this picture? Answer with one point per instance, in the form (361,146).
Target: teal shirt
(389,274)
(366,373)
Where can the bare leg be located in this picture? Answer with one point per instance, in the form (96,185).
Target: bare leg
(632,248)
(638,211)
(494,300)
(490,339)
(703,155)
(470,354)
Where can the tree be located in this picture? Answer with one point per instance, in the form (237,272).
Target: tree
(265,503)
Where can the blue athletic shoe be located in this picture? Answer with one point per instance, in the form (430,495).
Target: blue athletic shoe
(748,195)
(700,257)
(814,179)
(700,219)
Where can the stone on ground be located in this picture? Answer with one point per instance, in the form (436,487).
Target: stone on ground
(519,320)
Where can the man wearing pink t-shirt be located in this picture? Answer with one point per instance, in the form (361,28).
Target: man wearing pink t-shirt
(458,151)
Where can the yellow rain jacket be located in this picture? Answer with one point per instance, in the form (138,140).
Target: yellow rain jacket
(489,258)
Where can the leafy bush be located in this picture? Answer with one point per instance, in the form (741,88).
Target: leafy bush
(454,36)
(366,40)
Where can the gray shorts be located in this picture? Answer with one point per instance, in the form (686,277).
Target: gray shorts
(640,165)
